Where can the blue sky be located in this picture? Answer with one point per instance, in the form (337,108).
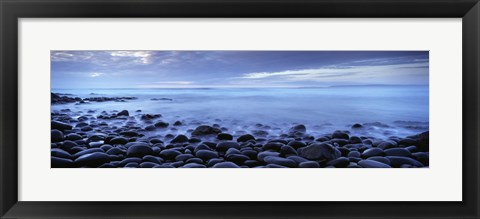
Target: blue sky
(164,69)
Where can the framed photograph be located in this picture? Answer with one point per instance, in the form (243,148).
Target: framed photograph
(169,109)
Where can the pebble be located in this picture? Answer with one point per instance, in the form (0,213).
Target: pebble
(372,164)
(309,164)
(318,151)
(280,161)
(56,136)
(92,160)
(225,165)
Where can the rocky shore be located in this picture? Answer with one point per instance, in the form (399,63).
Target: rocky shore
(132,139)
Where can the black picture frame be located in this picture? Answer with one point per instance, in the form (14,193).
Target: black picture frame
(12,10)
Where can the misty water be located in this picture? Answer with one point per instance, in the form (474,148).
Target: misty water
(383,110)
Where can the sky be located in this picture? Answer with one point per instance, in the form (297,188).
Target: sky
(202,69)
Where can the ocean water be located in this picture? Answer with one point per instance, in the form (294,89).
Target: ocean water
(385,110)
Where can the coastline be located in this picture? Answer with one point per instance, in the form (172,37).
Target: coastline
(129,139)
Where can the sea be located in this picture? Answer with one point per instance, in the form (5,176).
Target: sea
(382,110)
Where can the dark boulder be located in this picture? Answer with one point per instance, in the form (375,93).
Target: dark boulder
(56,135)
(319,151)
(205,130)
(92,160)
(245,138)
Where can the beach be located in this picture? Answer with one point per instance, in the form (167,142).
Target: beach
(332,127)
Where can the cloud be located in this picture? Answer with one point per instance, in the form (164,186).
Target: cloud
(95,74)
(337,73)
(143,57)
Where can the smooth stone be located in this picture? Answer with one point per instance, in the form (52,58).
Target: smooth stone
(118,140)
(309,164)
(356,126)
(206,154)
(297,159)
(412,149)
(140,149)
(397,161)
(214,161)
(147,164)
(276,146)
(237,158)
(56,136)
(60,126)
(372,164)
(87,151)
(274,166)
(152,159)
(131,165)
(232,151)
(340,135)
(86,129)
(95,144)
(194,160)
(193,165)
(106,147)
(161,124)
(380,159)
(177,123)
(129,160)
(58,162)
(205,130)
(402,152)
(224,136)
(246,137)
(107,165)
(180,139)
(169,154)
(73,137)
(354,154)
(201,147)
(300,129)
(115,151)
(423,157)
(280,161)
(262,155)
(297,144)
(252,163)
(387,144)
(123,113)
(372,152)
(224,146)
(92,160)
(252,154)
(339,162)
(225,165)
(318,151)
(129,133)
(183,157)
(150,127)
(355,140)
(57,152)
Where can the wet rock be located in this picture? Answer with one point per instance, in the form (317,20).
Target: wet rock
(372,152)
(224,136)
(206,154)
(280,161)
(92,160)
(56,135)
(339,162)
(169,154)
(193,165)
(139,149)
(58,162)
(177,123)
(397,161)
(57,152)
(123,113)
(183,157)
(180,139)
(205,130)
(387,144)
(357,126)
(118,140)
(297,130)
(245,137)
(287,150)
(372,164)
(60,126)
(309,164)
(319,151)
(161,124)
(397,152)
(297,144)
(380,159)
(264,154)
(340,135)
(225,165)
(224,146)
